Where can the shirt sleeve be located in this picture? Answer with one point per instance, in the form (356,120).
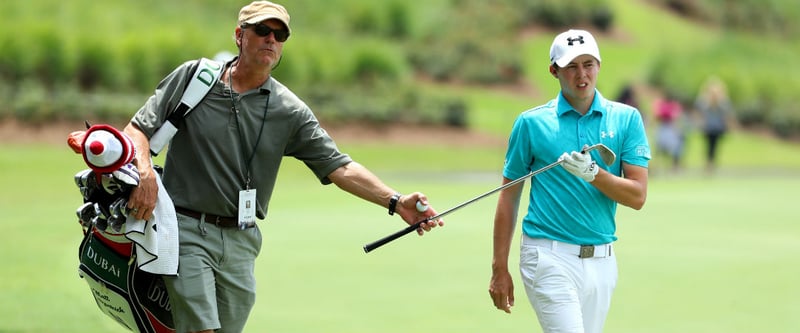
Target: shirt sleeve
(519,156)
(636,149)
(312,145)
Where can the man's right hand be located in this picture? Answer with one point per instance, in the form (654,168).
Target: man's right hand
(501,289)
(142,199)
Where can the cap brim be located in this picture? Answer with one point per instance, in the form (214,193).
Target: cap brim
(262,18)
(567,58)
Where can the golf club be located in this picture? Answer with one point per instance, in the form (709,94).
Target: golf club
(606,155)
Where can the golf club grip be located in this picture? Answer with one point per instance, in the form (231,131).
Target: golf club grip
(378,243)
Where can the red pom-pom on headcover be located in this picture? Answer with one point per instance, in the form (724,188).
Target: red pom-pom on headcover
(106,149)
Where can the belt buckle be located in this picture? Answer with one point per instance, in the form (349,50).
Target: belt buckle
(587,251)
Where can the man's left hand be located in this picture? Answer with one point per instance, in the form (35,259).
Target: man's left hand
(407,209)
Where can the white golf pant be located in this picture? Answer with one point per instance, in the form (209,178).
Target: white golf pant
(569,293)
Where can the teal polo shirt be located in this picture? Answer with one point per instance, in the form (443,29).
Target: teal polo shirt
(562,206)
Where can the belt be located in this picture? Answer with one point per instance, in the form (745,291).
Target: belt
(220,221)
(581,251)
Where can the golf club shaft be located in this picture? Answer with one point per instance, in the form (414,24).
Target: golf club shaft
(376,244)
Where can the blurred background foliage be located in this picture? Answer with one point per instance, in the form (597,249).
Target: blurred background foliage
(400,61)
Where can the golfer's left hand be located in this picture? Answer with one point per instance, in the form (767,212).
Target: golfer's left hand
(407,208)
(579,164)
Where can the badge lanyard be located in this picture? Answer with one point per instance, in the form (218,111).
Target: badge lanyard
(247,197)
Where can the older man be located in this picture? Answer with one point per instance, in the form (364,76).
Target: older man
(221,168)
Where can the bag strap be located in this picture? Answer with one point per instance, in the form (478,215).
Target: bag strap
(205,73)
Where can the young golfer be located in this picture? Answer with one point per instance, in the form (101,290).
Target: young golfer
(567,261)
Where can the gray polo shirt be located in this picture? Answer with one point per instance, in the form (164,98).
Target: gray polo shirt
(209,157)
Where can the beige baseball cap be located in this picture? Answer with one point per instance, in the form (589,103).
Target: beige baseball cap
(570,44)
(258,11)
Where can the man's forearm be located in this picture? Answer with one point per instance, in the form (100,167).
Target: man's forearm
(504,224)
(630,191)
(359,181)
(142,143)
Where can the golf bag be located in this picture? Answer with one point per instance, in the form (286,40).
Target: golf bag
(134,298)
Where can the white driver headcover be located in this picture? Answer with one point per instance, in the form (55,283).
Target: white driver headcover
(105,149)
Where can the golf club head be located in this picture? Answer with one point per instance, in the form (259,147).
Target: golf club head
(606,154)
(86,213)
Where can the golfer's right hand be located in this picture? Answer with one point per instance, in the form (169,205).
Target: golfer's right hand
(501,289)
(142,200)
(579,164)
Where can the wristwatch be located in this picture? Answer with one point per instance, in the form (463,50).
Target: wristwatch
(393,202)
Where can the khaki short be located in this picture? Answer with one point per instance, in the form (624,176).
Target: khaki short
(215,287)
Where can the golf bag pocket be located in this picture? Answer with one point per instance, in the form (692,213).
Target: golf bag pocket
(134,298)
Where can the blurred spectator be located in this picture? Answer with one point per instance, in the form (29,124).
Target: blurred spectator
(716,116)
(669,114)
(628,96)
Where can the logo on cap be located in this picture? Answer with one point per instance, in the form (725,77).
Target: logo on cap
(571,41)
(570,44)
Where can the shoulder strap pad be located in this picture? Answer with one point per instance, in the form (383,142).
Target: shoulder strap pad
(205,74)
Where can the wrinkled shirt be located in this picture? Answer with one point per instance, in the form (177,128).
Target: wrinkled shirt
(207,161)
(561,206)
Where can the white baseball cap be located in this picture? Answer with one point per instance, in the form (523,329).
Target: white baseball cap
(570,44)
(105,149)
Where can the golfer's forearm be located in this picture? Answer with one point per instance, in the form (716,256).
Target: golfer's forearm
(504,224)
(626,191)
(503,234)
(501,247)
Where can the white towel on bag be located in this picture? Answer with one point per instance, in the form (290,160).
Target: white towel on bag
(156,240)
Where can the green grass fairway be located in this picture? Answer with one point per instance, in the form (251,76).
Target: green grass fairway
(706,254)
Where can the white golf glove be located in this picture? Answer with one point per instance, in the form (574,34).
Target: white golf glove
(580,165)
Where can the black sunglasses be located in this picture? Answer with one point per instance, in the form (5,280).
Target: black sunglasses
(262,30)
